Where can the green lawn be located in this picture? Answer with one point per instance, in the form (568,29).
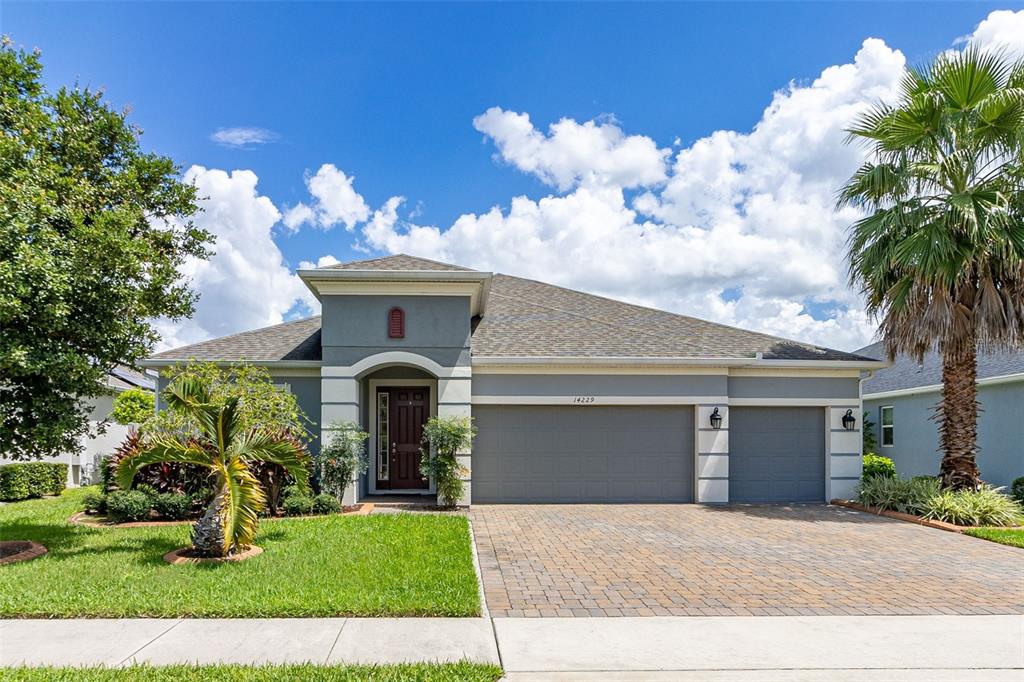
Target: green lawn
(377,565)
(1004,536)
(416,672)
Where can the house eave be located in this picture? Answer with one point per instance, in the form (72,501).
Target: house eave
(618,361)
(159,363)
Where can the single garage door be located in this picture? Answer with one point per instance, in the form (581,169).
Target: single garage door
(548,453)
(776,454)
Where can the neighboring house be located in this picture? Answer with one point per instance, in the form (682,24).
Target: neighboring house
(576,398)
(82,464)
(901,401)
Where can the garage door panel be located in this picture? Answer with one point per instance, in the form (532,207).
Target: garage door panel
(776,454)
(592,454)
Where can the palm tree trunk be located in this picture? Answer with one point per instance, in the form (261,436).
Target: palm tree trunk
(208,531)
(957,415)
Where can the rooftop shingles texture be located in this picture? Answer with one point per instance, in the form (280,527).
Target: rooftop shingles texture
(905,372)
(526,318)
(397,262)
(296,340)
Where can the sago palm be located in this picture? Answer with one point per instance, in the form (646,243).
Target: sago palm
(940,254)
(224,447)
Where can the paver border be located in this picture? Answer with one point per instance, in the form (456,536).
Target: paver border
(33,551)
(900,516)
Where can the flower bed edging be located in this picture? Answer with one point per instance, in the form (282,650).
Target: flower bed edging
(177,557)
(31,551)
(930,523)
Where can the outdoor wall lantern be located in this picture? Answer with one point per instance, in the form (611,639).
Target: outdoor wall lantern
(849,421)
(716,419)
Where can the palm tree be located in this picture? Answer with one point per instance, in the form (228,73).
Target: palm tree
(940,254)
(224,447)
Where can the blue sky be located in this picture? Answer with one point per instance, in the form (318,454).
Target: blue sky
(388,93)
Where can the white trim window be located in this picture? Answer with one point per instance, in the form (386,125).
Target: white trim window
(885,421)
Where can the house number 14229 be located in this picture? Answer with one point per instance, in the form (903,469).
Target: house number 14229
(582,400)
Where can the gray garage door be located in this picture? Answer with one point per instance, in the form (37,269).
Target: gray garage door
(776,454)
(582,454)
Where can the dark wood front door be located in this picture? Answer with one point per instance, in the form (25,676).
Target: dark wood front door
(409,409)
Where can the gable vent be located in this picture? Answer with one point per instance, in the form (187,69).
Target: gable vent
(396,323)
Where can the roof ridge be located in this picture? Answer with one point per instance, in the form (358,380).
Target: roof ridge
(451,266)
(657,310)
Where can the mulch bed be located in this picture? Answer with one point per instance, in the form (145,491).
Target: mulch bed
(188,555)
(12,551)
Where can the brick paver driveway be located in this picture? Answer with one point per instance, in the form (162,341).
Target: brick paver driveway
(678,560)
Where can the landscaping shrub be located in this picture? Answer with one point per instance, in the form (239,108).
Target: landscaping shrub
(341,458)
(877,465)
(326,504)
(984,507)
(896,494)
(128,505)
(23,480)
(1017,489)
(173,506)
(133,406)
(95,503)
(298,505)
(923,496)
(443,438)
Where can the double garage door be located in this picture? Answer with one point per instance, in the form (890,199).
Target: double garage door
(548,453)
(640,454)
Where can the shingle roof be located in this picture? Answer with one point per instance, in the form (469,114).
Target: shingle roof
(905,372)
(295,340)
(526,318)
(397,262)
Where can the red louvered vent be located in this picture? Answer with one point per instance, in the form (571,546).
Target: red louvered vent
(396,323)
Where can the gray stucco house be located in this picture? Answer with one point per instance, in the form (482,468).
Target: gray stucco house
(577,398)
(901,400)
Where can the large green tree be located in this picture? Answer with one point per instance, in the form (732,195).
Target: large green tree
(92,233)
(940,253)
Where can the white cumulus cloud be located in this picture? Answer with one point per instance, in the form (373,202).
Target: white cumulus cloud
(1001,30)
(334,201)
(246,284)
(243,137)
(572,153)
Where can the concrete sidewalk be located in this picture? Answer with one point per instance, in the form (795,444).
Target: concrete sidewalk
(724,649)
(114,642)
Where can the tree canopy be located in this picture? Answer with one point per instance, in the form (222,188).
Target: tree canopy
(93,234)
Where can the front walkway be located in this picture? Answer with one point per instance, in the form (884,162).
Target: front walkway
(695,560)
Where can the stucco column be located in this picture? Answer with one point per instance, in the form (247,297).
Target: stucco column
(844,453)
(454,399)
(339,392)
(712,453)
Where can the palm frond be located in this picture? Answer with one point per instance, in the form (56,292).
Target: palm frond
(243,499)
(159,450)
(279,449)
